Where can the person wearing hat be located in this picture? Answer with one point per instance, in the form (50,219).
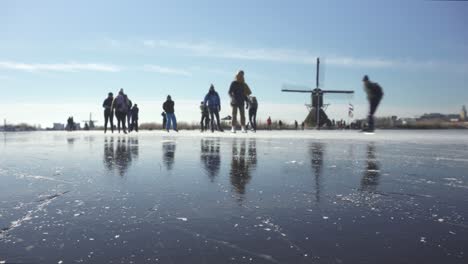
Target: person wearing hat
(374,96)
(108,115)
(168,107)
(214,106)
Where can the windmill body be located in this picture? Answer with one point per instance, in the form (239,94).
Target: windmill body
(317,116)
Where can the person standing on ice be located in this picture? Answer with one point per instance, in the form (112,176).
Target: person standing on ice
(269,123)
(214,106)
(237,92)
(168,107)
(108,114)
(374,96)
(135,112)
(296,125)
(253,106)
(164,122)
(120,105)
(205,119)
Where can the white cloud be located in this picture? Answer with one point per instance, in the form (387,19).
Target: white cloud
(59,67)
(213,50)
(166,70)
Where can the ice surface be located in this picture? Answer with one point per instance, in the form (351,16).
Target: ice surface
(268,197)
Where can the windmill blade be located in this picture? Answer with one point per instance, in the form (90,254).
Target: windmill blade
(322,72)
(295,87)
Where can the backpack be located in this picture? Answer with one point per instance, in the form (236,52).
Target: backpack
(120,104)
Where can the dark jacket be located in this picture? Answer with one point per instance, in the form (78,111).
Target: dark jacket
(135,112)
(236,91)
(168,106)
(373,90)
(212,100)
(107,104)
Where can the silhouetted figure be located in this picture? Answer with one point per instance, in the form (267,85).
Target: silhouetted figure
(108,114)
(371,176)
(316,152)
(253,107)
(164,121)
(205,119)
(121,107)
(302,125)
(70,124)
(168,107)
(280,124)
(296,125)
(135,112)
(169,148)
(242,163)
(210,157)
(129,113)
(213,102)
(374,96)
(269,123)
(238,91)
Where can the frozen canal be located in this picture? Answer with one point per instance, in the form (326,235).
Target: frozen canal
(270,197)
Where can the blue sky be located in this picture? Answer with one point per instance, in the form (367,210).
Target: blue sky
(60,58)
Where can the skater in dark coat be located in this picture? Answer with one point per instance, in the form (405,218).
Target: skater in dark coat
(135,112)
(164,122)
(374,96)
(168,107)
(205,117)
(108,112)
(253,106)
(120,105)
(213,102)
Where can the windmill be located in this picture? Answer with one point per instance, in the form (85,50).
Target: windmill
(90,122)
(316,108)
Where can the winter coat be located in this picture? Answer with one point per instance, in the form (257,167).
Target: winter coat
(374,91)
(237,93)
(107,104)
(212,100)
(120,104)
(168,106)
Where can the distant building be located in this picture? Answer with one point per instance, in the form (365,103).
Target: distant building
(58,126)
(439,117)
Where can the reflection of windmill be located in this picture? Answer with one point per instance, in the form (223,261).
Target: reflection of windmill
(317,114)
(90,123)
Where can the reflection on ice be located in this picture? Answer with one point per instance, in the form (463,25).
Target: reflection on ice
(210,156)
(370,178)
(316,152)
(243,161)
(119,156)
(169,149)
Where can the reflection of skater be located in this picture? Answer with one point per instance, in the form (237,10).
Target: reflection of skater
(243,162)
(168,107)
(253,106)
(374,95)
(210,157)
(108,114)
(214,106)
(237,92)
(169,148)
(120,158)
(205,119)
(370,179)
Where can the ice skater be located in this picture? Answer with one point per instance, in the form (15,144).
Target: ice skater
(237,92)
(269,123)
(120,105)
(129,113)
(205,118)
(253,106)
(168,107)
(296,125)
(214,106)
(135,112)
(108,114)
(374,96)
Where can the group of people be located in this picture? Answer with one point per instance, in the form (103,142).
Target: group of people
(125,111)
(240,99)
